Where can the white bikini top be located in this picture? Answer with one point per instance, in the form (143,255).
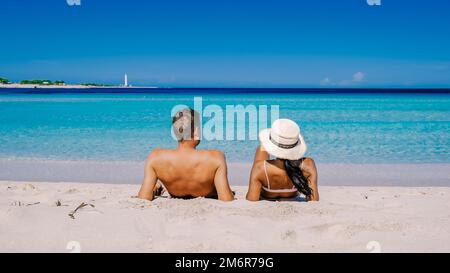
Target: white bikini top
(294,189)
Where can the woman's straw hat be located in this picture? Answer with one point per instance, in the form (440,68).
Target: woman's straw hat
(283,140)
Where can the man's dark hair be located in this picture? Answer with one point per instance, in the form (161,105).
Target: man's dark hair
(184,124)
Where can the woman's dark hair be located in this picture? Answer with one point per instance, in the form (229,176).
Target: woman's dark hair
(296,175)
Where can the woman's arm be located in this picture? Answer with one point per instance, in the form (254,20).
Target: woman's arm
(254,185)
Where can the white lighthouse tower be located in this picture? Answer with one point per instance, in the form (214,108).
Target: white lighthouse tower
(125,82)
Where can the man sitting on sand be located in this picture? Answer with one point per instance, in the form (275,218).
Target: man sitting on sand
(185,171)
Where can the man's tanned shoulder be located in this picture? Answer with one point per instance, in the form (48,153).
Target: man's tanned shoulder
(156,153)
(216,155)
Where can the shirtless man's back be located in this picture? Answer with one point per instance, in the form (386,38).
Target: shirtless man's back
(186,172)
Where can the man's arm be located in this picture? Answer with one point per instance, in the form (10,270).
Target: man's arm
(221,180)
(149,183)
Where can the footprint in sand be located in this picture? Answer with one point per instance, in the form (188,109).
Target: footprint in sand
(330,229)
(29,187)
(72,191)
(11,188)
(289,235)
(136,203)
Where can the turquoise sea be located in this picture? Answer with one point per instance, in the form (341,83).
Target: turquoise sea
(338,128)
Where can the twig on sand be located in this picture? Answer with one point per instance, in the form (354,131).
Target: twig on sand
(82,205)
(58,203)
(16,203)
(21,204)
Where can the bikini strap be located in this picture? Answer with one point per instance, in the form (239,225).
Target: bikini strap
(267,177)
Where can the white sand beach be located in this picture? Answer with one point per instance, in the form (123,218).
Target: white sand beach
(35,217)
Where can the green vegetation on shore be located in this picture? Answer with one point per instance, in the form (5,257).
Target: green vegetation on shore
(42,82)
(95,84)
(52,83)
(4,81)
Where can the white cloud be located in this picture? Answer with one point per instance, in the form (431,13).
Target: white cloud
(358,77)
(325,81)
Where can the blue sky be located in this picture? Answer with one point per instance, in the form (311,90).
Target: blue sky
(228,43)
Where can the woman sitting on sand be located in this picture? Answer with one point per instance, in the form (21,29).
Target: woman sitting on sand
(289,173)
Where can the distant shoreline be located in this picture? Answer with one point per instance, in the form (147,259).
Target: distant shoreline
(48,89)
(65,86)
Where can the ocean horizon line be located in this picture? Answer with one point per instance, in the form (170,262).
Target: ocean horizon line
(224,90)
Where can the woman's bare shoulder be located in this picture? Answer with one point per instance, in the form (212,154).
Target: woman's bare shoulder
(257,168)
(308,164)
